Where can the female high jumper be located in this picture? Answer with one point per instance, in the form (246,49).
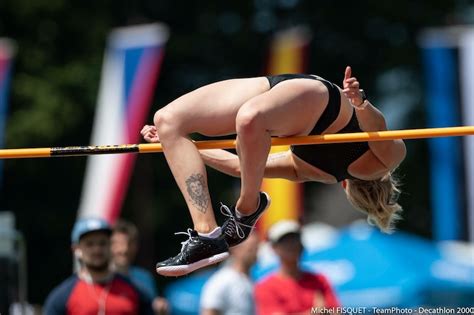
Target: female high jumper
(255,109)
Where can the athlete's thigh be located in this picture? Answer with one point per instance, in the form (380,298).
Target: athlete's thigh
(211,109)
(292,107)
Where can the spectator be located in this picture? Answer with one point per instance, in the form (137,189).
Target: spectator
(290,290)
(230,290)
(124,247)
(95,289)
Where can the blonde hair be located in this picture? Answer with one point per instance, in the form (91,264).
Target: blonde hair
(378,198)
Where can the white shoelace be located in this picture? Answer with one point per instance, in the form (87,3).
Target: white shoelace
(234,225)
(188,233)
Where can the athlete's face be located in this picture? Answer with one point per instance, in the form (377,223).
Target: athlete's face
(95,250)
(289,249)
(123,249)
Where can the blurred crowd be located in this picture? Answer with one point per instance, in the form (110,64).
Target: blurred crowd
(288,290)
(106,281)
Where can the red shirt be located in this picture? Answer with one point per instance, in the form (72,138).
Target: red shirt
(280,294)
(117,297)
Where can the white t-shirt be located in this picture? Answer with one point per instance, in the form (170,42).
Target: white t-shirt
(230,292)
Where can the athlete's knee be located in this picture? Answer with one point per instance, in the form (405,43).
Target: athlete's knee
(160,118)
(249,119)
(166,123)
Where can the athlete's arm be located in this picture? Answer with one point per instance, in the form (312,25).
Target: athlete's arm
(390,153)
(279,165)
(222,160)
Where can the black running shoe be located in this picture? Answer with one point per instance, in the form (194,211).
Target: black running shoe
(236,230)
(196,252)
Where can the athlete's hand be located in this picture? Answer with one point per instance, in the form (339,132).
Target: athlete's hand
(351,88)
(150,134)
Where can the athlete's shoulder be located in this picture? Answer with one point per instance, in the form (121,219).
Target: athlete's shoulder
(221,279)
(57,299)
(268,281)
(316,279)
(126,281)
(65,288)
(145,302)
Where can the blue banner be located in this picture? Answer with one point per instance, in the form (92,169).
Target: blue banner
(442,107)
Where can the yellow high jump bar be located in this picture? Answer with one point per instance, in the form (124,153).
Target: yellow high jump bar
(229,144)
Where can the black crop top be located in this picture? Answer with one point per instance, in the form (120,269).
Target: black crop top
(334,158)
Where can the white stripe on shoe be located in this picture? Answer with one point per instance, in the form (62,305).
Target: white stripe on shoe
(181,270)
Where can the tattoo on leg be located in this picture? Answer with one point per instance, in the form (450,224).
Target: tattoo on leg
(196,187)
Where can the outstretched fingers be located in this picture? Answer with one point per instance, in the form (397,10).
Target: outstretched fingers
(347,73)
(351,87)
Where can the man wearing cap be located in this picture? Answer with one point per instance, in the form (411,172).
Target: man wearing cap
(94,289)
(290,290)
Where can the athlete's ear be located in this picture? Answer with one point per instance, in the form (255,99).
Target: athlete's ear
(78,253)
